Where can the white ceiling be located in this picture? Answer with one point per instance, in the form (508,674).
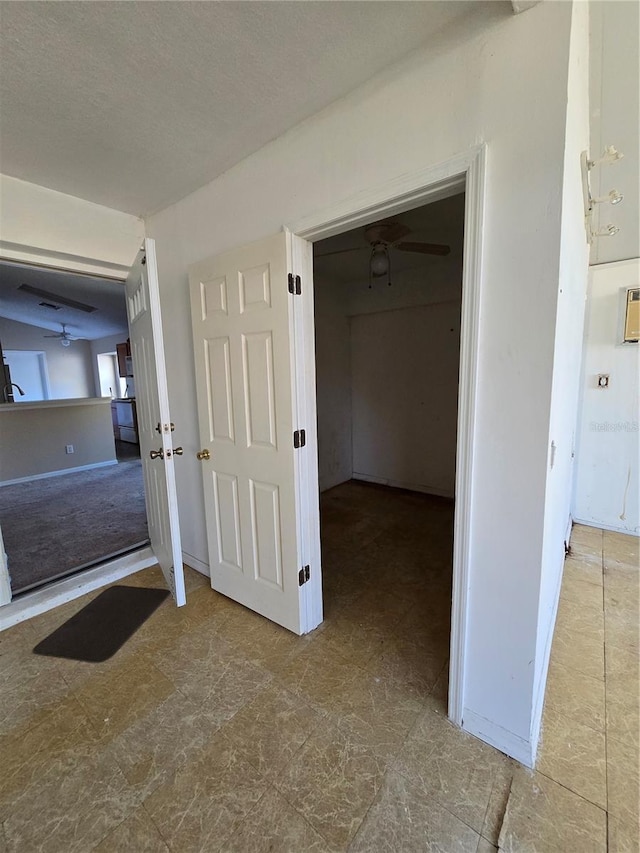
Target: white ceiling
(134,105)
(439,222)
(106,296)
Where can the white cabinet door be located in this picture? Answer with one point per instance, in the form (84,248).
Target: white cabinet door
(260,502)
(154,419)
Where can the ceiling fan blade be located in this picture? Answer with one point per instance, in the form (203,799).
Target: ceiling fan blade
(394,231)
(386,231)
(424,248)
(343,251)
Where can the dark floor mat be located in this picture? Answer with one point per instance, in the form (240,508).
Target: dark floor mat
(97,631)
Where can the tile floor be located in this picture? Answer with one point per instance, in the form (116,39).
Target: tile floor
(214,730)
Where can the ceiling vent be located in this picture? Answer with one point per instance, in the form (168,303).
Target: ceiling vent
(49,305)
(54,297)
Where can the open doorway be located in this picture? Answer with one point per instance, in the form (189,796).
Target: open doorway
(387,329)
(71,482)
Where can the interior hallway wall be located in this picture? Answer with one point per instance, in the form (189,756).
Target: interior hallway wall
(70,368)
(481,80)
(608,461)
(569,327)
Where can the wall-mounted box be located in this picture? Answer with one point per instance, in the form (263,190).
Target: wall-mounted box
(631,332)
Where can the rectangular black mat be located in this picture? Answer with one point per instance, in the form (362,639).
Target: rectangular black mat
(97,631)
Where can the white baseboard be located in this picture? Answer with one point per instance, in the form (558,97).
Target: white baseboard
(567,532)
(195,563)
(58,473)
(53,595)
(398,484)
(541,687)
(493,734)
(599,525)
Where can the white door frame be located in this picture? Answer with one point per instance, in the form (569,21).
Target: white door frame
(41,600)
(463,172)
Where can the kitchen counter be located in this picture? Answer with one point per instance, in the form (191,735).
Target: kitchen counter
(53,404)
(54,436)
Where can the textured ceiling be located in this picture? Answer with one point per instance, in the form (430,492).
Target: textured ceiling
(135,104)
(107,297)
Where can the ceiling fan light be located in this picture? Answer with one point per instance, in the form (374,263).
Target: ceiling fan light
(379,263)
(65,342)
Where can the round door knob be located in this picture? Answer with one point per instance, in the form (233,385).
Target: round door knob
(177,451)
(156,454)
(203,454)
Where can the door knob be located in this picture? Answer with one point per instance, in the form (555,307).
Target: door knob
(157,454)
(177,451)
(203,454)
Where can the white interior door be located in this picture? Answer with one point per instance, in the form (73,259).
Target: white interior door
(154,420)
(258,448)
(5,581)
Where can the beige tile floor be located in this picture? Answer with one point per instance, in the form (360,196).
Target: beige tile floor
(214,730)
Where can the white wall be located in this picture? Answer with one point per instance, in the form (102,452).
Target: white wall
(333,384)
(108,344)
(404,396)
(615,119)
(28,370)
(42,226)
(70,368)
(485,79)
(572,291)
(387,364)
(607,473)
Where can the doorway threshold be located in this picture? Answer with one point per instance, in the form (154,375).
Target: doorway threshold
(107,558)
(35,602)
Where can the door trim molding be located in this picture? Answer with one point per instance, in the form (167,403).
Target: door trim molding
(466,172)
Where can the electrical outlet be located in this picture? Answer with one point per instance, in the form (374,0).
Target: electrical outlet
(69,448)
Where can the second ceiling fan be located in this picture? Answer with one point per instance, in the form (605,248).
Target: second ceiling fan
(384,235)
(64,337)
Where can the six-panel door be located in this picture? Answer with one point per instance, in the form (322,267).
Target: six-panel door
(243,346)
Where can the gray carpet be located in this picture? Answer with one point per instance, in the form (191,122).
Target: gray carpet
(55,526)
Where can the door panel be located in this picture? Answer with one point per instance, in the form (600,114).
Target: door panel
(5,580)
(244,343)
(152,406)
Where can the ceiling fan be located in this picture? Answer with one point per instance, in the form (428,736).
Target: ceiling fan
(64,337)
(384,235)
